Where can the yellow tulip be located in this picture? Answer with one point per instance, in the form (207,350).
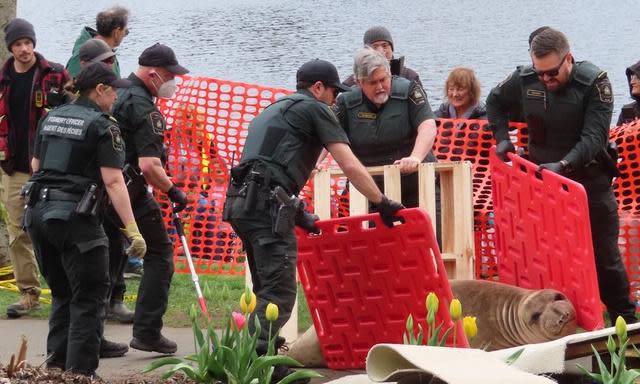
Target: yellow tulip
(455,309)
(271,313)
(470,327)
(621,329)
(432,302)
(248,301)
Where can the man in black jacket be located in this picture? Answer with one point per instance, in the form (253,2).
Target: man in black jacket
(379,38)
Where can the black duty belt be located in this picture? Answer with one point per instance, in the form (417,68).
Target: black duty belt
(57,195)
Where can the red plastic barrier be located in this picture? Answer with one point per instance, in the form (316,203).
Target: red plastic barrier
(362,283)
(543,235)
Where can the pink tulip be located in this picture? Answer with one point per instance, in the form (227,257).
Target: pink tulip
(239,319)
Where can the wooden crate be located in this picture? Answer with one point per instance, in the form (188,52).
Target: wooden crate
(456,200)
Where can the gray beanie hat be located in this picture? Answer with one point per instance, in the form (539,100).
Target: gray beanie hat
(377,33)
(18,29)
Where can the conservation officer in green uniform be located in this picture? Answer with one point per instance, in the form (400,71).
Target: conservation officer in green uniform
(567,106)
(79,154)
(388,120)
(143,129)
(280,152)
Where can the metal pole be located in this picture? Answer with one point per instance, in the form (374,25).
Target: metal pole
(194,276)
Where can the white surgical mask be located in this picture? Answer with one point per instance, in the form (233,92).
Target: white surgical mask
(167,89)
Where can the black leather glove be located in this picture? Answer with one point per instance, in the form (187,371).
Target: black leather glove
(307,221)
(387,208)
(178,198)
(504,147)
(556,167)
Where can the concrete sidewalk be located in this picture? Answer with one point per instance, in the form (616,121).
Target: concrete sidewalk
(117,370)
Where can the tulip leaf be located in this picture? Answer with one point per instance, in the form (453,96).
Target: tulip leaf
(301,374)
(161,362)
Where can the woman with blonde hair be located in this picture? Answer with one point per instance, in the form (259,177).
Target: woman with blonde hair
(462,93)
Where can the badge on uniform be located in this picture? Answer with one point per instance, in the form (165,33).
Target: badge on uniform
(417,96)
(535,94)
(157,122)
(116,138)
(367,115)
(604,91)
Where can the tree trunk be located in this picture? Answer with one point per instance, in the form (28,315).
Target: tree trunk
(7,12)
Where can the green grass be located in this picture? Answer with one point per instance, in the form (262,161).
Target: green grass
(222,295)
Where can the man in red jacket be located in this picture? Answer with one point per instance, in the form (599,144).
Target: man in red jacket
(29,86)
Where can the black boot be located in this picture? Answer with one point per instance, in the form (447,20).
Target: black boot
(118,311)
(160,345)
(112,349)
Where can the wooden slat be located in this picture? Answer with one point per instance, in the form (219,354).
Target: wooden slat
(427,191)
(322,194)
(358,204)
(392,184)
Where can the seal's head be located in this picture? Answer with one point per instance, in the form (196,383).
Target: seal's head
(549,315)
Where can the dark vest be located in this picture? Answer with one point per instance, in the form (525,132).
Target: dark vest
(125,98)
(555,120)
(274,140)
(371,139)
(65,144)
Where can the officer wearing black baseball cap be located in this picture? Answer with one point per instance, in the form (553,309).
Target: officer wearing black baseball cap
(281,150)
(99,73)
(78,156)
(320,70)
(159,55)
(143,129)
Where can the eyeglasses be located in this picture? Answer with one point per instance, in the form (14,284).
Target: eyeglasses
(553,72)
(126,31)
(633,77)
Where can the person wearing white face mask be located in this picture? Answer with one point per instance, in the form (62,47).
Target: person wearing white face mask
(143,128)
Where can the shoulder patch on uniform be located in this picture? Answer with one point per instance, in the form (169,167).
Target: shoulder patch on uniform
(500,84)
(157,122)
(604,90)
(417,95)
(116,138)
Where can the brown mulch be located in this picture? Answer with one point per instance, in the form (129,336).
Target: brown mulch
(32,375)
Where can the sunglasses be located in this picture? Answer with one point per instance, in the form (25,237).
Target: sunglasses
(553,72)
(335,90)
(109,60)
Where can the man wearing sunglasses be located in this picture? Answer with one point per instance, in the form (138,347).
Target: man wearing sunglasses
(567,106)
(111,27)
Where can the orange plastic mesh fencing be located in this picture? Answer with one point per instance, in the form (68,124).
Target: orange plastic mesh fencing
(627,190)
(207,122)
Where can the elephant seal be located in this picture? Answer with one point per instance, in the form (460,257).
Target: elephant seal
(506,316)
(509,316)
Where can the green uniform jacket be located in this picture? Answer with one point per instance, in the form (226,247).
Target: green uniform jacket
(288,137)
(571,124)
(73,142)
(73,65)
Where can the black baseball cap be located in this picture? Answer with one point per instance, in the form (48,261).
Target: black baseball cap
(99,73)
(159,55)
(95,50)
(321,70)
